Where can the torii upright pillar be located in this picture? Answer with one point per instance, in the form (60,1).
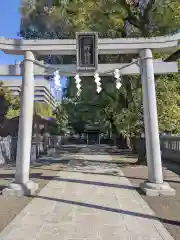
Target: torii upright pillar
(22,185)
(155,185)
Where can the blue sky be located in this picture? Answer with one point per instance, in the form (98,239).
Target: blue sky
(9,26)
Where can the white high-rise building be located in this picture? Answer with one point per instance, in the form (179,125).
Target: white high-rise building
(42,93)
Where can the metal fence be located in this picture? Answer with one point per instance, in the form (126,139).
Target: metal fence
(8,148)
(170,147)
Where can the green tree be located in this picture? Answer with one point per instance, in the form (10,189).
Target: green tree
(168,95)
(9,103)
(43,109)
(111,18)
(61,118)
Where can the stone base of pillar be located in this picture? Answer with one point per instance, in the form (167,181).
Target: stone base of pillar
(19,190)
(155,189)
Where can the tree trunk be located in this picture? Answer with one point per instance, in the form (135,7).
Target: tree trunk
(141,150)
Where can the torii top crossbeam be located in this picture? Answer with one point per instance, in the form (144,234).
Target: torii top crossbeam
(105,46)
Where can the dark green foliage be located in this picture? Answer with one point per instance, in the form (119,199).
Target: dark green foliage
(122,110)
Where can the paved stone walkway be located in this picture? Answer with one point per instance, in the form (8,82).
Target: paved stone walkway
(76,206)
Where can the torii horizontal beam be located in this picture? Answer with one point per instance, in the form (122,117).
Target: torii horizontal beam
(174,57)
(70,70)
(105,45)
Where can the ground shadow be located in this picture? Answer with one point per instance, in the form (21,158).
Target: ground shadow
(2,187)
(109,209)
(96,149)
(72,149)
(127,154)
(8,166)
(48,161)
(110,173)
(66,161)
(145,179)
(172,166)
(7,176)
(102,184)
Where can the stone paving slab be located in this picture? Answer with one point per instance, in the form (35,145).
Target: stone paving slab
(76,206)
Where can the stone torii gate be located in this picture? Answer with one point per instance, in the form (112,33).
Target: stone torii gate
(146,68)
